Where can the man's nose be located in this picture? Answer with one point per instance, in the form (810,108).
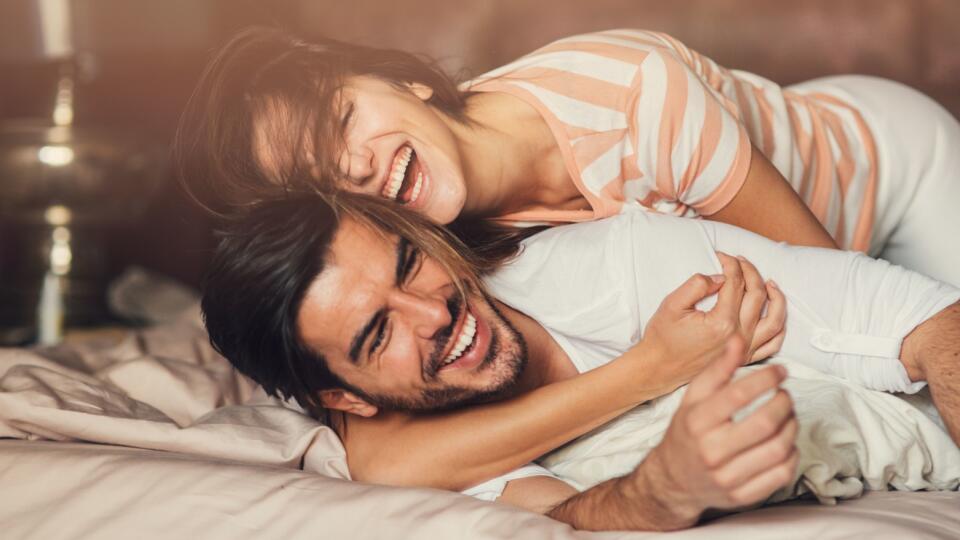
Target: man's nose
(427,314)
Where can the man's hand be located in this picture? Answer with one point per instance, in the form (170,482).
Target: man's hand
(706,460)
(684,339)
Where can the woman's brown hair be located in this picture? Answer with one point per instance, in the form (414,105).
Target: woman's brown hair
(269,73)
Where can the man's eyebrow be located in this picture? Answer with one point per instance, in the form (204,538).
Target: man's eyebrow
(361,337)
(403,246)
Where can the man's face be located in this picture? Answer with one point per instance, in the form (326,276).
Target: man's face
(391,325)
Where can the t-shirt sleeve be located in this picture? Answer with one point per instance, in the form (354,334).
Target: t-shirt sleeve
(690,142)
(847,313)
(492,489)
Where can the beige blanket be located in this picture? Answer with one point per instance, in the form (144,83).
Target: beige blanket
(159,389)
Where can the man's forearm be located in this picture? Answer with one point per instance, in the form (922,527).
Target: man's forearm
(932,353)
(633,502)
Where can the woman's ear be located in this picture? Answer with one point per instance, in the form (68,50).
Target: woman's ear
(422,91)
(348,402)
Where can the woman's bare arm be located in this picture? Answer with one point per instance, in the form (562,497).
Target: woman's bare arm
(455,450)
(767,205)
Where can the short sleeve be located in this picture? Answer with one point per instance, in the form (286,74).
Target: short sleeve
(492,489)
(690,142)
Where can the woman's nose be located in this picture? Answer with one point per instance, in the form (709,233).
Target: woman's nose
(358,164)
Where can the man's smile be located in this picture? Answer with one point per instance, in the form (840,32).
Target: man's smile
(470,347)
(463,344)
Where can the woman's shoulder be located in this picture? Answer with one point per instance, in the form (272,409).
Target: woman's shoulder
(616,38)
(602,55)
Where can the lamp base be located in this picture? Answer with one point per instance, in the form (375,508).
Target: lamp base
(50,278)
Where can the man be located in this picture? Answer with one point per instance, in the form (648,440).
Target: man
(329,309)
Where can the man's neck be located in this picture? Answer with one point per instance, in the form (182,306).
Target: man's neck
(547,362)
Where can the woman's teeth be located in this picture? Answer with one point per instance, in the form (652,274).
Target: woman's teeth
(395,181)
(416,187)
(467,334)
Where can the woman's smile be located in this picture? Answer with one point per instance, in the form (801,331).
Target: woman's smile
(407,177)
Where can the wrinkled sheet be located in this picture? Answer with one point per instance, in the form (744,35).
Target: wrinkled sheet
(188,448)
(53,491)
(159,389)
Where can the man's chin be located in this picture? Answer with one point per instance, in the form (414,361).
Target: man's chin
(503,364)
(452,397)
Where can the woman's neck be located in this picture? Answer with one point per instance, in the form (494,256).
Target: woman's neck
(511,159)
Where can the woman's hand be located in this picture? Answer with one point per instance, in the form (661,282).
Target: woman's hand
(683,338)
(764,332)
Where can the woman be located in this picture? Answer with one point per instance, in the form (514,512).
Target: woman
(584,128)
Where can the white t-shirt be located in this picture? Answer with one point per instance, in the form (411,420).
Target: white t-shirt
(593,286)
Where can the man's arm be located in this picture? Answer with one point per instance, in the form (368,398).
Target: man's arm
(931,352)
(704,461)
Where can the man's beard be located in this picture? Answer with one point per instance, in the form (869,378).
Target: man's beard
(511,366)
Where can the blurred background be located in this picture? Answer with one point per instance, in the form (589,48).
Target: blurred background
(91,92)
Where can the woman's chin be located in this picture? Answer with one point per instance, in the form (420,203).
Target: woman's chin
(440,206)
(441,216)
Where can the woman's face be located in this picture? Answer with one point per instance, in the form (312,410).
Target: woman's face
(400,148)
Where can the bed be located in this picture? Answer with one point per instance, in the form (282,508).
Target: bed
(150,434)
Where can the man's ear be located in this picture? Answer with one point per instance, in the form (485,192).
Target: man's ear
(348,402)
(422,91)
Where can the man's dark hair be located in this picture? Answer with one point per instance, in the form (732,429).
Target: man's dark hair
(262,266)
(265,260)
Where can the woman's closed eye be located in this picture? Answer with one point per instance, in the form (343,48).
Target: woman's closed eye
(345,120)
(345,161)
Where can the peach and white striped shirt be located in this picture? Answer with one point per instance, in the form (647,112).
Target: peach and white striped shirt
(643,121)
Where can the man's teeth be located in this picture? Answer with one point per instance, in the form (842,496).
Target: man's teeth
(467,334)
(392,189)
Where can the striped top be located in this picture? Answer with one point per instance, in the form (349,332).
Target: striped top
(642,121)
